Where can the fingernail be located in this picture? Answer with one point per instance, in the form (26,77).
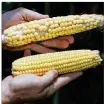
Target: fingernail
(65,44)
(71,39)
(55,72)
(79,73)
(27,52)
(44,43)
(46,16)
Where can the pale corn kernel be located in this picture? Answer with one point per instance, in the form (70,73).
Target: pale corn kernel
(31,35)
(50,30)
(50,22)
(70,23)
(29,40)
(36,26)
(46,36)
(94,26)
(37,36)
(55,21)
(30,27)
(25,32)
(12,34)
(54,26)
(9,39)
(18,26)
(24,37)
(15,42)
(62,24)
(14,27)
(14,38)
(66,24)
(63,28)
(75,22)
(41,21)
(28,36)
(91,26)
(81,21)
(47,23)
(95,23)
(6,31)
(73,26)
(63,20)
(42,37)
(29,31)
(59,29)
(49,35)
(24,27)
(42,28)
(32,30)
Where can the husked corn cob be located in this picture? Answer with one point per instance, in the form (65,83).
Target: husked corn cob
(63,62)
(44,29)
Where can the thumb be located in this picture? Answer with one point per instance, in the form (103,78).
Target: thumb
(48,78)
(7,80)
(30,15)
(27,52)
(62,81)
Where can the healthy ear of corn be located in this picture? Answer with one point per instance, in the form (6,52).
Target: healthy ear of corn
(44,29)
(63,62)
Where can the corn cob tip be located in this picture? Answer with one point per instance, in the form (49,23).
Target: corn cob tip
(96,52)
(3,39)
(101,21)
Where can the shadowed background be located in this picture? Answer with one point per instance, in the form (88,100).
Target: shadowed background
(88,89)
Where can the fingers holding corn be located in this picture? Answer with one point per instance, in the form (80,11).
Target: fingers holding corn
(45,46)
(60,42)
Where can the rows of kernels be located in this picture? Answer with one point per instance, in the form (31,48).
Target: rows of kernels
(81,62)
(48,63)
(65,68)
(50,56)
(52,65)
(51,27)
(28,72)
(77,68)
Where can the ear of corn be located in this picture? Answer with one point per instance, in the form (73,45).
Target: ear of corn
(63,62)
(44,29)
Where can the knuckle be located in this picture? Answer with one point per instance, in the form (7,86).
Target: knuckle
(49,91)
(21,8)
(12,86)
(38,84)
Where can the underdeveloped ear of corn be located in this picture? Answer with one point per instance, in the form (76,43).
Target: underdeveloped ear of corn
(44,29)
(63,62)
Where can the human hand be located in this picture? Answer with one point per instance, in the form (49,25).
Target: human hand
(21,15)
(29,87)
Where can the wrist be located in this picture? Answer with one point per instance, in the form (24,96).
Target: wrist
(9,96)
(5,100)
(6,95)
